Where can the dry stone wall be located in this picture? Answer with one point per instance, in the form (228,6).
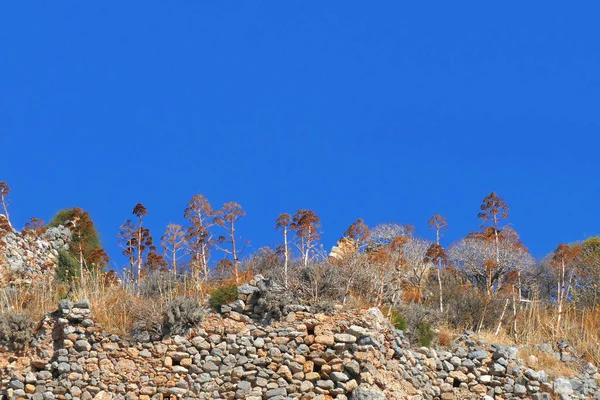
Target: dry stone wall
(245,353)
(27,257)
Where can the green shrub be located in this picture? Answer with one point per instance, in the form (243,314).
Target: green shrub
(16,330)
(398,320)
(425,333)
(181,315)
(67,269)
(222,296)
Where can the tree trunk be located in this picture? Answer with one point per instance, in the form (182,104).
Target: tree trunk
(4,206)
(234,253)
(501,318)
(285,254)
(439,277)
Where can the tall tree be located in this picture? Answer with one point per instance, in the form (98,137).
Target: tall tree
(485,263)
(85,244)
(359,233)
(564,259)
(140,212)
(174,242)
(283,225)
(199,239)
(436,253)
(230,214)
(306,224)
(136,241)
(589,280)
(155,262)
(4,192)
(493,211)
(417,265)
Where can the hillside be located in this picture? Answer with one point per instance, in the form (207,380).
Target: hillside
(238,353)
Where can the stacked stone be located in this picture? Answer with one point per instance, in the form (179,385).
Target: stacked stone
(30,258)
(351,355)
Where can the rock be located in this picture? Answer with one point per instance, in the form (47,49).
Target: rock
(478,355)
(562,386)
(344,338)
(247,289)
(519,390)
(276,392)
(326,340)
(367,392)
(102,395)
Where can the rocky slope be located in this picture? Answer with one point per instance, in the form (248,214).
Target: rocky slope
(245,354)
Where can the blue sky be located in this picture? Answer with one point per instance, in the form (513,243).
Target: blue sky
(387,111)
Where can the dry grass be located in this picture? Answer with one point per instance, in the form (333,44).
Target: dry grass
(113,305)
(502,338)
(538,324)
(540,360)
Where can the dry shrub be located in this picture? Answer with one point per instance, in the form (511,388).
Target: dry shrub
(465,307)
(16,330)
(147,318)
(157,284)
(181,315)
(444,338)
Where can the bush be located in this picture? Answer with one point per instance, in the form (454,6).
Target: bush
(417,320)
(425,333)
(465,307)
(157,284)
(222,296)
(67,269)
(182,314)
(16,331)
(398,320)
(148,319)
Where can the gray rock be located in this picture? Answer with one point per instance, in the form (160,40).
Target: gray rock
(478,355)
(247,289)
(276,392)
(366,392)
(562,386)
(519,390)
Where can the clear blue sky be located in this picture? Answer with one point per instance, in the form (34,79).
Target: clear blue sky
(390,111)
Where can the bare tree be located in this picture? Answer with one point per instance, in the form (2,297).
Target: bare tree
(229,215)
(493,211)
(306,224)
(139,211)
(136,241)
(173,242)
(201,216)
(4,192)
(417,264)
(564,259)
(436,253)
(485,262)
(384,234)
(283,225)
(359,233)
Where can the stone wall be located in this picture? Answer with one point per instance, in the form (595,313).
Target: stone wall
(247,354)
(28,258)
